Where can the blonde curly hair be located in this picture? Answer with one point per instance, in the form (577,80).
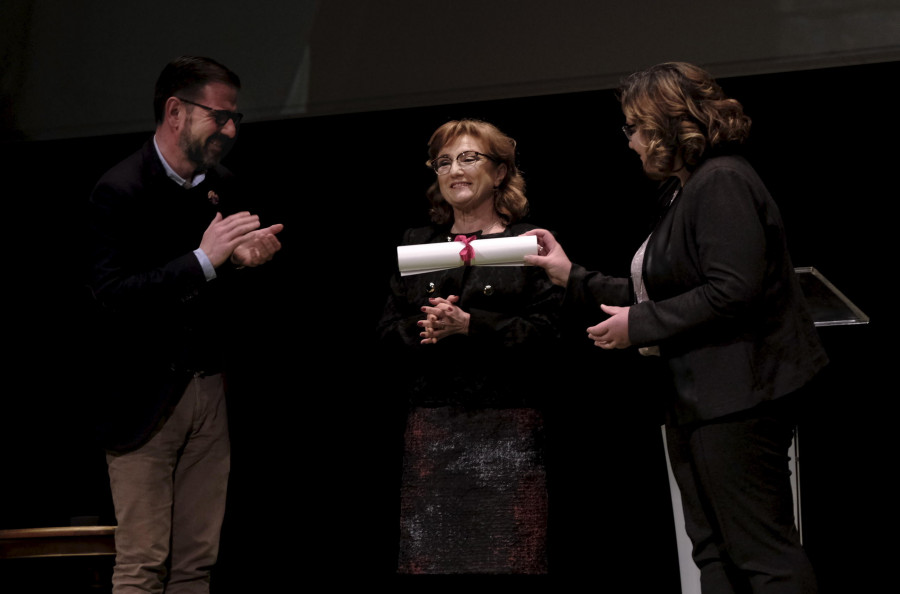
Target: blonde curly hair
(681,111)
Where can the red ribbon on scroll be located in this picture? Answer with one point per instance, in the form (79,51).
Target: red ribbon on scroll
(468,252)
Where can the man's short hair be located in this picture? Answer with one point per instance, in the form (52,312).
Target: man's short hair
(185,76)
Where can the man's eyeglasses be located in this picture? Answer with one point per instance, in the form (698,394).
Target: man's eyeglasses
(466,160)
(221,116)
(629,129)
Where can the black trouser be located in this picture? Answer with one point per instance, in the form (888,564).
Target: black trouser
(735,483)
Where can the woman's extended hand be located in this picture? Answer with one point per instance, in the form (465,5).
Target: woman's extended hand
(442,318)
(611,333)
(551,257)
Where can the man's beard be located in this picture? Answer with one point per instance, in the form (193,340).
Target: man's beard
(202,154)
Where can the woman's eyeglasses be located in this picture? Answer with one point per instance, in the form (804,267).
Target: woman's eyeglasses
(629,129)
(466,160)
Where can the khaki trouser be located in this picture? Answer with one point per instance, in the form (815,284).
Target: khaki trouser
(169,497)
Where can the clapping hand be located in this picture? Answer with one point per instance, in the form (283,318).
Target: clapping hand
(257,247)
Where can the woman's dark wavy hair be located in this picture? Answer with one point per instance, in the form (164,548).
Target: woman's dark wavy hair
(510,202)
(186,76)
(681,110)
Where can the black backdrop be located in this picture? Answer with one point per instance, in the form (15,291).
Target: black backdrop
(314,427)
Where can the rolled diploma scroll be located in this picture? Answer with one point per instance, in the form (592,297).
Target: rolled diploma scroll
(501,251)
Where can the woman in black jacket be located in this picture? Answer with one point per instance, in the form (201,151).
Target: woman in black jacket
(713,293)
(471,340)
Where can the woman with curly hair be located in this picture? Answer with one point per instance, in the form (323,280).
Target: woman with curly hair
(713,293)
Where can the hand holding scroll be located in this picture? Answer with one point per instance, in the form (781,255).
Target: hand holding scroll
(551,257)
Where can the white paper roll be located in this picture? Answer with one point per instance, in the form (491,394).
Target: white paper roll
(501,251)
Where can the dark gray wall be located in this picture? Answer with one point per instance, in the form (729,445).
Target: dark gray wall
(84,68)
